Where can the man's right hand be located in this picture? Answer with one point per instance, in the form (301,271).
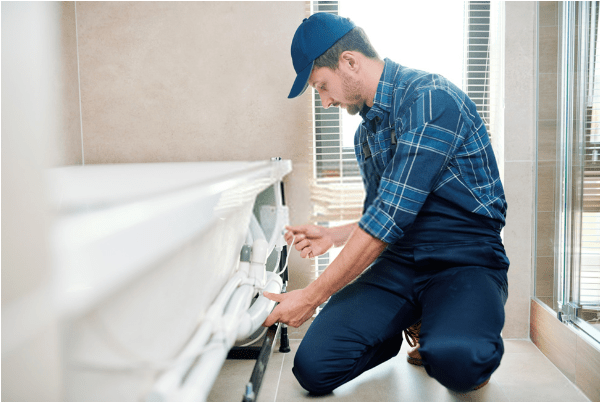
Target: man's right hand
(309,239)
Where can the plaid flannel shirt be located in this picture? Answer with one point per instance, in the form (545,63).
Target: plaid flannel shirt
(423,135)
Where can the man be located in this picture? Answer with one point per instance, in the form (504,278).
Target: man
(428,245)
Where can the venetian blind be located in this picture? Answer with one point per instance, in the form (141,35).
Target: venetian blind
(477,83)
(337,191)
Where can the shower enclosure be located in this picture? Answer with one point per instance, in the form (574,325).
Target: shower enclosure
(568,166)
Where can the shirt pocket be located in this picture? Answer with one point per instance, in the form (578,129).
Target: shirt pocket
(384,143)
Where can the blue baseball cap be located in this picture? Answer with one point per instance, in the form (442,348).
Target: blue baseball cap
(313,37)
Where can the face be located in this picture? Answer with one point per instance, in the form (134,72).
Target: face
(337,88)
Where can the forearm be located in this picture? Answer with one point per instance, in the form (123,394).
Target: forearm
(360,251)
(341,234)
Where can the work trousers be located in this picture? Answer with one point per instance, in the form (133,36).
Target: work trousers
(457,287)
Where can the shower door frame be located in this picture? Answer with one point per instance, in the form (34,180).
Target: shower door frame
(573,102)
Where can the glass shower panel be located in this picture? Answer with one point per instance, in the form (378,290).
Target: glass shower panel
(577,200)
(587,295)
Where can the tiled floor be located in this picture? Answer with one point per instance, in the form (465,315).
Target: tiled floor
(525,374)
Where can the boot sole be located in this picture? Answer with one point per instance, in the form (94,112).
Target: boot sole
(414,361)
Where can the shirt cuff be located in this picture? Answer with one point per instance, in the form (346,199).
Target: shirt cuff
(380,225)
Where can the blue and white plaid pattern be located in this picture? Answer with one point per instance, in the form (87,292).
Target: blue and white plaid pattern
(423,135)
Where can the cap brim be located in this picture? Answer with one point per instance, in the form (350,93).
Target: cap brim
(301,82)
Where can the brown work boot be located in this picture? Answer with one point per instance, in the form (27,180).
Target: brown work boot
(482,384)
(411,334)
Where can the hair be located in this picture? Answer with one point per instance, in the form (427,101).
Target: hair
(355,40)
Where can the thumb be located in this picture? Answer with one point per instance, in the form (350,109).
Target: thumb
(276,297)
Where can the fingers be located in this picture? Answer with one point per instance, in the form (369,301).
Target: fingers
(295,238)
(302,244)
(297,235)
(275,315)
(293,234)
(271,319)
(307,252)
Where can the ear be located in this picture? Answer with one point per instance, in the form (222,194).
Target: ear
(349,60)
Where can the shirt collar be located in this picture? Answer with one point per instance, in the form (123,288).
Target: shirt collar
(382,103)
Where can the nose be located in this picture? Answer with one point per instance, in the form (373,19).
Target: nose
(325,100)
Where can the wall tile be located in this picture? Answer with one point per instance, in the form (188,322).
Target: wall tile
(517,239)
(554,339)
(545,234)
(588,368)
(548,49)
(546,146)
(519,157)
(548,91)
(544,276)
(184,81)
(520,88)
(546,173)
(548,13)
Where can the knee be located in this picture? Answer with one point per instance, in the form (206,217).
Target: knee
(461,364)
(310,372)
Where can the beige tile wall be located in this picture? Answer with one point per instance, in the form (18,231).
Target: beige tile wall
(519,160)
(546,149)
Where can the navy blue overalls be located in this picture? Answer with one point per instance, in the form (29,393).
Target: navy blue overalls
(450,271)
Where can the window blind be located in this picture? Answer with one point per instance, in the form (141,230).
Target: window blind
(337,191)
(477,64)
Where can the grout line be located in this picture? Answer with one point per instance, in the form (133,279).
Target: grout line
(79,87)
(279,378)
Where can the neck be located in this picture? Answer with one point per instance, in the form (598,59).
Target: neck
(372,76)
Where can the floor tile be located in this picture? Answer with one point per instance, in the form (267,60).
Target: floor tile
(519,346)
(235,374)
(525,374)
(532,377)
(394,380)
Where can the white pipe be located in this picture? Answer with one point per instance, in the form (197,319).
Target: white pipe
(169,381)
(258,260)
(201,378)
(259,311)
(226,321)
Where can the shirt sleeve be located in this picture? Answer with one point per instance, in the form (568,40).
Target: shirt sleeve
(434,130)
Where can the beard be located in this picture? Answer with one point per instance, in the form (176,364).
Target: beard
(351,90)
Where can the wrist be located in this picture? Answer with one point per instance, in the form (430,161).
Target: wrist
(315,295)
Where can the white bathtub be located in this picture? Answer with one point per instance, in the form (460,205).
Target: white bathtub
(140,253)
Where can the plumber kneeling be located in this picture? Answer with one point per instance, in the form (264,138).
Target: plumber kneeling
(426,258)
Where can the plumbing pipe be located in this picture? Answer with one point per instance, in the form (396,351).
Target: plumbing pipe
(256,315)
(225,321)
(257,262)
(171,378)
(201,378)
